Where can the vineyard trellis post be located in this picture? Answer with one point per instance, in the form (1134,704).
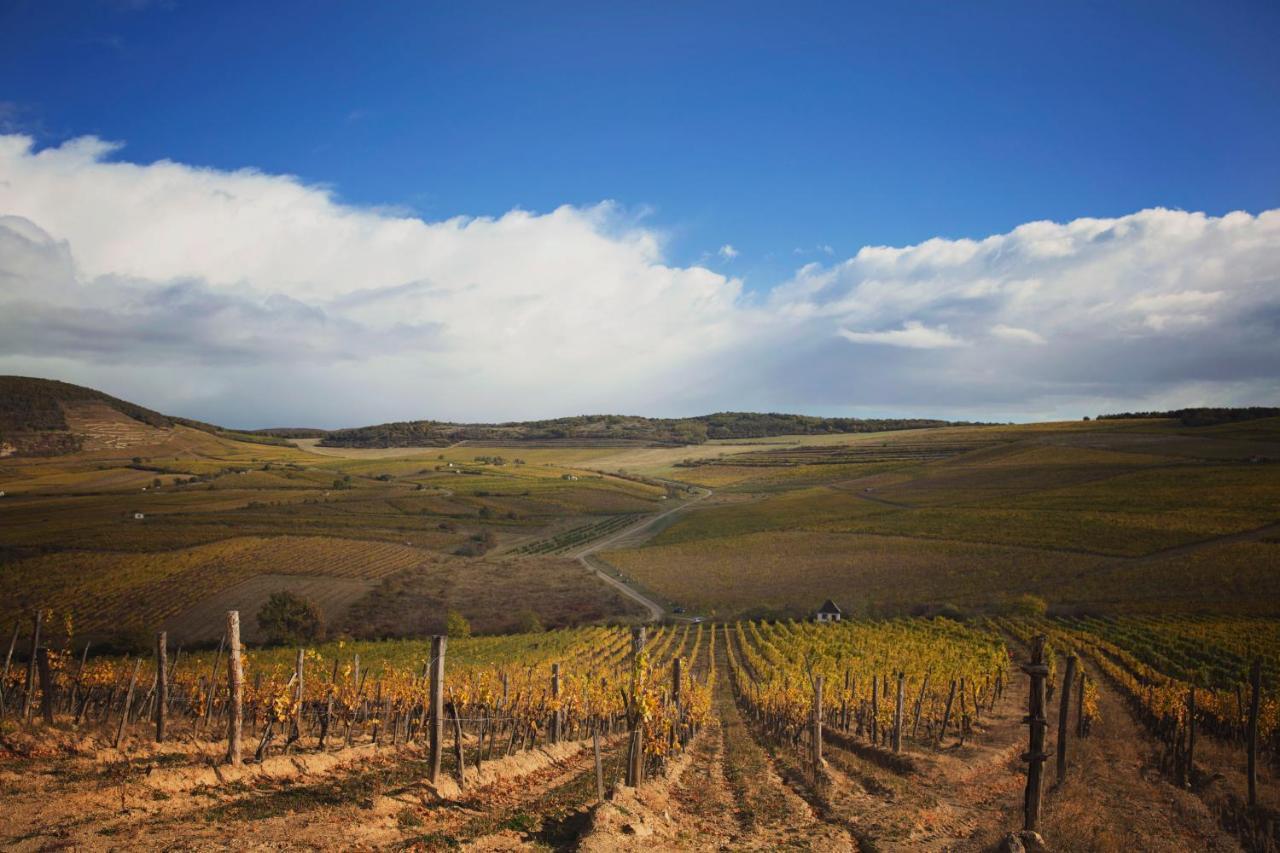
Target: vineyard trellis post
(298,666)
(46,685)
(436,721)
(635,713)
(1064,712)
(946,714)
(677,730)
(897,715)
(128,703)
(8,659)
(817,724)
(235,685)
(1037,725)
(75,685)
(31,667)
(1080,730)
(875,710)
(557,716)
(1191,736)
(1255,682)
(162,684)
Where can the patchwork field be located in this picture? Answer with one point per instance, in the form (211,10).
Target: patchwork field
(1114,515)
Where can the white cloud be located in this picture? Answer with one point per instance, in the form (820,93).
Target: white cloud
(1016,335)
(912,335)
(255,298)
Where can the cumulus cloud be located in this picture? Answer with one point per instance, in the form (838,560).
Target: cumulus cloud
(913,335)
(254,298)
(1013,333)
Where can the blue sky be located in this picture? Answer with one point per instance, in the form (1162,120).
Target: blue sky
(335,213)
(770,127)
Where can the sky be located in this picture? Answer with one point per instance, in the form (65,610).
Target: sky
(333,213)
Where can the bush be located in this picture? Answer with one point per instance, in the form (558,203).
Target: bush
(289,619)
(527,622)
(1028,605)
(456,625)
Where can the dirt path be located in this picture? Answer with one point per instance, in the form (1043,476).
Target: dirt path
(584,555)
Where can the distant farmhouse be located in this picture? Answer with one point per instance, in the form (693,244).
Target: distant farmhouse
(828,612)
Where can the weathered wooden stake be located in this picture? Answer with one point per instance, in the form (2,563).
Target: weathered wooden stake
(635,746)
(817,723)
(457,744)
(595,745)
(897,716)
(875,710)
(31,667)
(1064,711)
(8,659)
(1255,682)
(1080,721)
(1037,724)
(557,716)
(946,715)
(46,685)
(1191,736)
(128,703)
(438,644)
(213,682)
(298,665)
(235,685)
(162,684)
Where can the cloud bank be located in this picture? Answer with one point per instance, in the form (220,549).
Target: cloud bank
(256,299)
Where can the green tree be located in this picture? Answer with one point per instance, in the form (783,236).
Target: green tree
(289,619)
(456,625)
(527,622)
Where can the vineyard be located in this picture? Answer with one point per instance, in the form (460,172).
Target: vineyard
(883,734)
(580,535)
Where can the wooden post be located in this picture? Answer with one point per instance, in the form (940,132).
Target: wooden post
(897,716)
(1080,722)
(817,723)
(75,685)
(46,685)
(457,744)
(162,684)
(557,717)
(595,744)
(31,667)
(1191,736)
(8,659)
(677,700)
(635,746)
(875,710)
(946,715)
(438,644)
(1255,682)
(235,685)
(297,710)
(1037,724)
(213,682)
(1064,711)
(128,703)
(924,685)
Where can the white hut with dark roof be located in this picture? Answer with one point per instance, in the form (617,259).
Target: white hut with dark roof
(828,612)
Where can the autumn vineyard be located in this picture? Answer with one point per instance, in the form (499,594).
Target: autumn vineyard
(861,704)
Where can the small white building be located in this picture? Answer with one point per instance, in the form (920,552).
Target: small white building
(828,612)
(138,516)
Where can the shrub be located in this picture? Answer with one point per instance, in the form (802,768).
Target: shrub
(527,622)
(289,619)
(1028,605)
(456,625)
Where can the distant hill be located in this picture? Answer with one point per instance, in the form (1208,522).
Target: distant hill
(1203,416)
(614,428)
(46,417)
